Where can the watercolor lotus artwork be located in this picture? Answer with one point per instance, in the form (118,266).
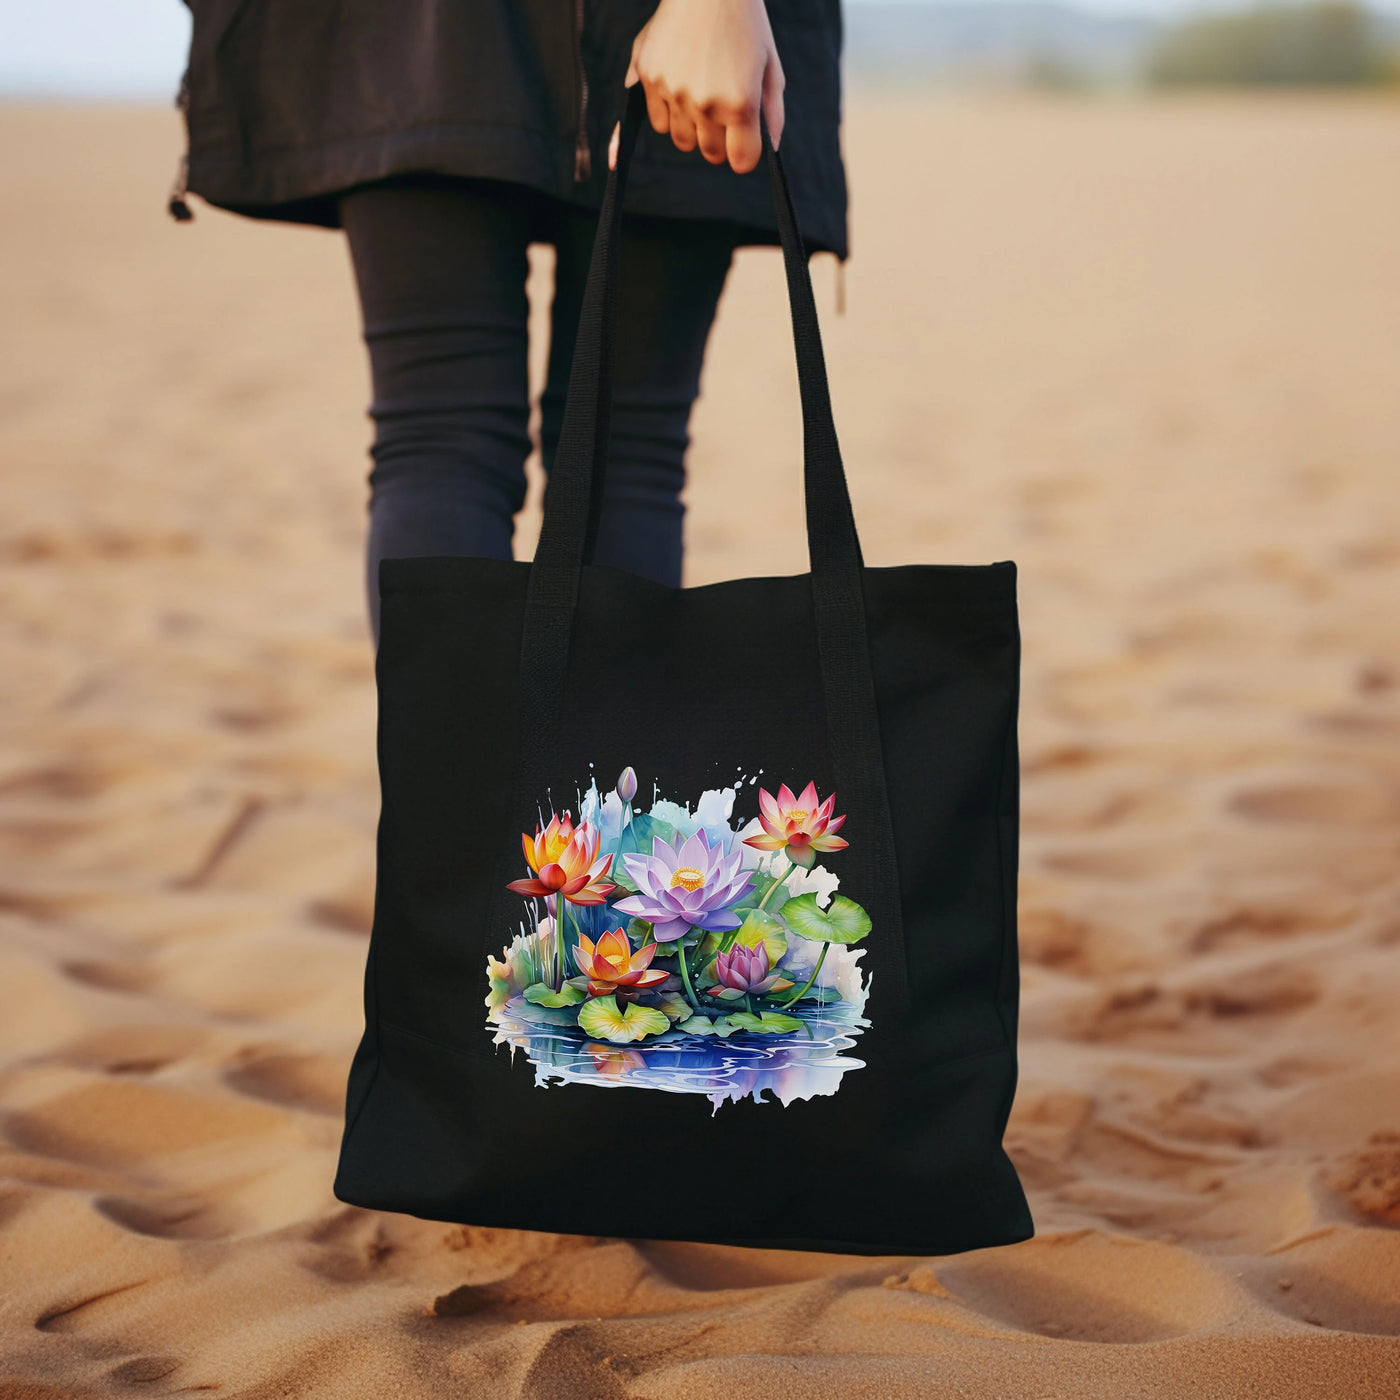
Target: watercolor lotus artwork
(682,951)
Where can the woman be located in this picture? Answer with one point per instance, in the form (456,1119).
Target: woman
(445,136)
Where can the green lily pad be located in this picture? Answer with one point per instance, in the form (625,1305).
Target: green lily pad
(675,1006)
(617,875)
(815,993)
(640,930)
(603,1019)
(762,927)
(843,922)
(543,995)
(538,1015)
(765,1023)
(702,954)
(753,896)
(702,1025)
(636,839)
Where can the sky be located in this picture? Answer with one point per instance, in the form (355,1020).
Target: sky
(96,48)
(136,48)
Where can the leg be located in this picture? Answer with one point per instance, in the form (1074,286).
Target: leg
(441,268)
(672,273)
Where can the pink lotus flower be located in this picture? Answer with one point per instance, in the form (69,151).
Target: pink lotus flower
(798,826)
(746,972)
(565,861)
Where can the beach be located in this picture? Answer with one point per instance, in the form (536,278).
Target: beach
(1147,349)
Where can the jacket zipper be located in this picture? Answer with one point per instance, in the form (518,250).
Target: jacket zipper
(176,202)
(583,156)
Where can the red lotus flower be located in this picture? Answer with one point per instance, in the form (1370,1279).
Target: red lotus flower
(611,966)
(565,862)
(800,826)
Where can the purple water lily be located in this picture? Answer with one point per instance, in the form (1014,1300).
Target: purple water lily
(685,885)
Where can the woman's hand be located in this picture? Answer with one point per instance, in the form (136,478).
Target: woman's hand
(709,68)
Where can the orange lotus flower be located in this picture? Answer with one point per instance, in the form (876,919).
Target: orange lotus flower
(611,966)
(800,826)
(565,861)
(549,843)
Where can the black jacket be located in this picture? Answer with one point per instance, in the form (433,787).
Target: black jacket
(290,102)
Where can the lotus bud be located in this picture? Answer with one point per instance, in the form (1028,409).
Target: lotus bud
(627,785)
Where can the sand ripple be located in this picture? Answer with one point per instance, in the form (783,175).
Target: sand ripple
(1147,350)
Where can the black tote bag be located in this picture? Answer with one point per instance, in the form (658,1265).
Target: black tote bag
(613,987)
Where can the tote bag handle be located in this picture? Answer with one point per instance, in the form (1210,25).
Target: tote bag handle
(574,500)
(573,503)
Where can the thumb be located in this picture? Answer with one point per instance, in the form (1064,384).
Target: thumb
(773,84)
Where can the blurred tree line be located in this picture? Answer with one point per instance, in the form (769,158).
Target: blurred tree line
(1327,43)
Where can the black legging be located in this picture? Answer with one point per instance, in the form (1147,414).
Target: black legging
(441,268)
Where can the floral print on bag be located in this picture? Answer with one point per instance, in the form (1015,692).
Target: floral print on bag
(670,949)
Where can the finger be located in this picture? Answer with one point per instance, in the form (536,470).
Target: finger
(773,84)
(658,110)
(682,128)
(711,136)
(744,145)
(634,73)
(613,143)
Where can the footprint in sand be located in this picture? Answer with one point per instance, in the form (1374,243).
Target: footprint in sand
(40,907)
(132,1049)
(1319,804)
(167,1217)
(1121,862)
(255,717)
(1304,913)
(1067,943)
(1343,1279)
(706,1267)
(119,1122)
(1093,1287)
(1051,938)
(110,976)
(1259,991)
(72,1317)
(142,1370)
(315,1082)
(100,545)
(610,1278)
(350,909)
(350,1245)
(1141,1007)
(40,836)
(68,781)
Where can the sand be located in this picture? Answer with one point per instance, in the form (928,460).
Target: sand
(1148,350)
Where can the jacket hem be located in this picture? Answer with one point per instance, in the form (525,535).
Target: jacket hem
(303,184)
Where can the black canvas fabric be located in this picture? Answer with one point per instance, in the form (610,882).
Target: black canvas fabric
(506,687)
